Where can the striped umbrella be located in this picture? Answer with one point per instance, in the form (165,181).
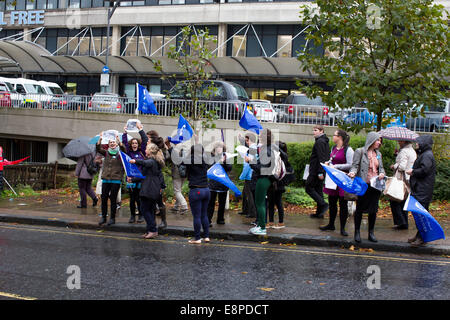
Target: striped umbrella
(399,134)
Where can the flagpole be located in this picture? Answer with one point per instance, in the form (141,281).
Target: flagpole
(9,186)
(136,111)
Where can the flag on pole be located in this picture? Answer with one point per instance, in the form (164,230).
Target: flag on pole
(355,186)
(184,131)
(145,102)
(249,122)
(131,169)
(217,173)
(427,225)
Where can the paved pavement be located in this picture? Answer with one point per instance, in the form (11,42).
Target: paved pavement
(300,229)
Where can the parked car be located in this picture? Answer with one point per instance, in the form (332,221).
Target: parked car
(5,97)
(301,109)
(105,102)
(437,118)
(227,98)
(16,98)
(263,110)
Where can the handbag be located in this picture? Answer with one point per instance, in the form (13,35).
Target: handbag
(396,189)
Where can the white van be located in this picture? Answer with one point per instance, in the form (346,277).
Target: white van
(35,95)
(51,87)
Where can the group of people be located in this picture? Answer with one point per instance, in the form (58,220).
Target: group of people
(262,191)
(416,168)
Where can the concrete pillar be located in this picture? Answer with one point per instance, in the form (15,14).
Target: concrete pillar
(52,151)
(115,48)
(221,38)
(114,83)
(27,36)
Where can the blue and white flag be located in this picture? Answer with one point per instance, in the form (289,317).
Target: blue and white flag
(184,131)
(427,225)
(145,102)
(131,169)
(249,122)
(217,173)
(355,186)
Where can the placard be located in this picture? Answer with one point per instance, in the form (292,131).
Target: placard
(109,135)
(132,125)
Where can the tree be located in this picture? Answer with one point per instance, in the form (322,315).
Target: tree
(192,56)
(386,54)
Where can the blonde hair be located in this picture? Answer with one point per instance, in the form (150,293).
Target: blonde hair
(155,153)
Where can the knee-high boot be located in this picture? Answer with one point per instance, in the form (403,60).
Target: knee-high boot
(357,218)
(372,219)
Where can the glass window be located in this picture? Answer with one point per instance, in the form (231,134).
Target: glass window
(41,4)
(2,5)
(63,4)
(131,46)
(72,45)
(239,45)
(126,3)
(41,41)
(177,1)
(206,1)
(60,43)
(96,46)
(86,4)
(52,4)
(138,3)
(285,41)
(212,45)
(97,3)
(165,1)
(83,50)
(233,1)
(20,4)
(144,45)
(157,42)
(168,41)
(10,5)
(31,4)
(104,46)
(74,3)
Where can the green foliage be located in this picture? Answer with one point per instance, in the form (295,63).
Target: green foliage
(21,190)
(390,52)
(442,185)
(298,196)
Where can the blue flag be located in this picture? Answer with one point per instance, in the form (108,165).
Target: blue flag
(355,186)
(131,169)
(249,122)
(145,102)
(217,173)
(428,227)
(184,131)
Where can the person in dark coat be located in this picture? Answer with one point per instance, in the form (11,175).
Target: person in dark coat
(217,189)
(423,175)
(85,180)
(316,178)
(135,150)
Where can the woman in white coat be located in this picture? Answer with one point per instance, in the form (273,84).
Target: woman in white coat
(404,161)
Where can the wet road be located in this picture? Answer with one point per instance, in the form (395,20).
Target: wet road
(34,264)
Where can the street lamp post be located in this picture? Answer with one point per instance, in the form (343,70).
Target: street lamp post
(110,14)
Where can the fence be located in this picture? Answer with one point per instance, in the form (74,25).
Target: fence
(263,110)
(38,176)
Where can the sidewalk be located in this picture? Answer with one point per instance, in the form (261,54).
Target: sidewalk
(300,229)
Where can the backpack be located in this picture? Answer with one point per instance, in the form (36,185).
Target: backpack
(92,168)
(279,170)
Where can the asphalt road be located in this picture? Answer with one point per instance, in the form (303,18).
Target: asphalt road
(43,262)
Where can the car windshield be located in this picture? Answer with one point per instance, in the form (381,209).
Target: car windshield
(56,90)
(305,101)
(39,89)
(30,88)
(239,92)
(10,87)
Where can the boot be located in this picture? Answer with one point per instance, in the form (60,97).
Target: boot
(111,221)
(357,218)
(372,236)
(162,212)
(327,227)
(357,236)
(102,221)
(140,218)
(132,219)
(372,218)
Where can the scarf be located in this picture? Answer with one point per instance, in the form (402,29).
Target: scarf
(113,151)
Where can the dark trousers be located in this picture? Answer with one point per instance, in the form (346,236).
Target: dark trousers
(343,210)
(135,201)
(275,198)
(148,211)
(85,188)
(198,200)
(212,204)
(248,200)
(400,216)
(109,191)
(367,203)
(314,188)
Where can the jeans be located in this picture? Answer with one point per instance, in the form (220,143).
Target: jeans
(85,188)
(148,211)
(198,200)
(212,204)
(180,202)
(110,191)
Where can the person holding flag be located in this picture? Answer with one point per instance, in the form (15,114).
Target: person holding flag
(217,189)
(423,175)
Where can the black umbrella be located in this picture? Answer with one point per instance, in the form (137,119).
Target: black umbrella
(78,147)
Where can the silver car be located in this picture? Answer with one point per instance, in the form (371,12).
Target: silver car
(436,119)
(105,102)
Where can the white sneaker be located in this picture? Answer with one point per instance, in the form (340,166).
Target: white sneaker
(254,229)
(259,232)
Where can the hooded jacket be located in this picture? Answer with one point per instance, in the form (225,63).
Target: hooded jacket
(152,170)
(424,171)
(360,165)
(320,154)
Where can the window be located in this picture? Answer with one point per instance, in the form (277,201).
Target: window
(83,49)
(126,3)
(177,1)
(10,5)
(285,44)
(131,46)
(74,4)
(41,4)
(86,4)
(20,4)
(62,48)
(144,45)
(31,4)
(239,46)
(63,4)
(72,45)
(96,46)
(165,2)
(52,4)
(97,3)
(157,42)
(168,42)
(20,89)
(206,1)
(41,41)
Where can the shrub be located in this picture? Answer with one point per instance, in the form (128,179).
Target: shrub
(442,184)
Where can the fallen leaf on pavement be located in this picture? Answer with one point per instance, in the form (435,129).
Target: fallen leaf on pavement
(352,248)
(265,242)
(266,289)
(322,283)
(243,272)
(366,250)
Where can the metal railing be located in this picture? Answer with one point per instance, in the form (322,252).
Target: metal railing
(223,110)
